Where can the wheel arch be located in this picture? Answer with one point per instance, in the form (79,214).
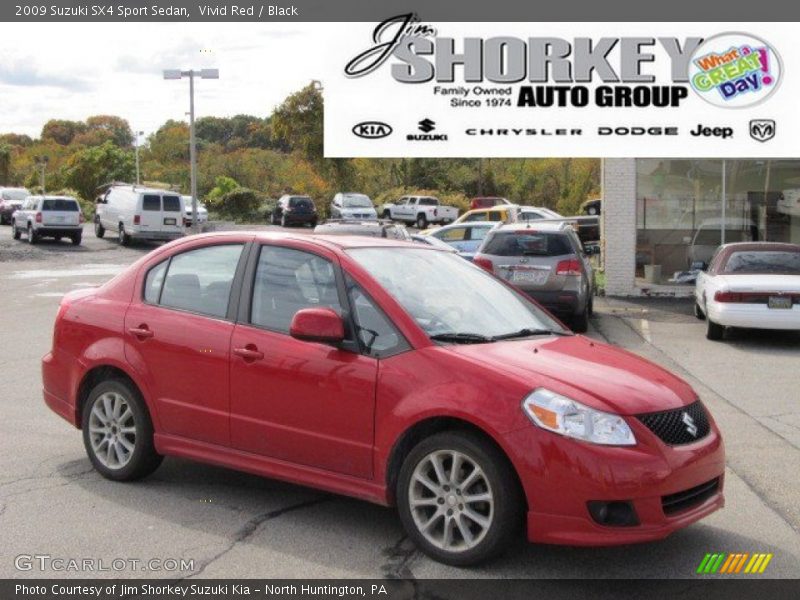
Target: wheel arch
(431,425)
(105,372)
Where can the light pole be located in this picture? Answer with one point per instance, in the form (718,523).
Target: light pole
(191,74)
(137,135)
(41,163)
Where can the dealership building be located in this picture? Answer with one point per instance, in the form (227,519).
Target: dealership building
(661,215)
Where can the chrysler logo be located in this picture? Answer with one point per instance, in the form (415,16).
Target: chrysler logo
(691,428)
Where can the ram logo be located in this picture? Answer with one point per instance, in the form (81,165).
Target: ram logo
(372,130)
(762,130)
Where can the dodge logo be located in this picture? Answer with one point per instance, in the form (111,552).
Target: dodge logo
(762,129)
(691,428)
(372,130)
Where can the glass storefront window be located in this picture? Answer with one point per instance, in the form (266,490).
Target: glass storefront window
(687,208)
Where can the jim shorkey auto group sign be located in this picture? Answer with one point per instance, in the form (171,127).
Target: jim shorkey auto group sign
(404,87)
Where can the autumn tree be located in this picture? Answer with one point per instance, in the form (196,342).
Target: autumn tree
(89,168)
(62,131)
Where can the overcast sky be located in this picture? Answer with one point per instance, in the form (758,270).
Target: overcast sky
(72,71)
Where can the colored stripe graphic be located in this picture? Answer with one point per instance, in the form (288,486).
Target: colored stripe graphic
(738,562)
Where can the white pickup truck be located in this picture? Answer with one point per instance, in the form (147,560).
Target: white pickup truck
(420,210)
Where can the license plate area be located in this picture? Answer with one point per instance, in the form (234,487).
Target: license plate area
(170,221)
(529,276)
(779,302)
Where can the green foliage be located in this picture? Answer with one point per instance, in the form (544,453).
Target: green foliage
(91,167)
(223,185)
(5,163)
(238,204)
(298,123)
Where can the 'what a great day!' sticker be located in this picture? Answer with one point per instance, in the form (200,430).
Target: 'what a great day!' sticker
(734,70)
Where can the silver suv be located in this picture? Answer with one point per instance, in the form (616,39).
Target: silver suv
(48,216)
(547,262)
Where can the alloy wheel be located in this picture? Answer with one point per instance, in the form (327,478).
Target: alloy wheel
(451,500)
(112,430)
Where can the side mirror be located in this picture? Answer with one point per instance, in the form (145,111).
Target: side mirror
(322,325)
(591,250)
(699,266)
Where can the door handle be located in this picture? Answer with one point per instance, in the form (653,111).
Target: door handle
(142,332)
(249,353)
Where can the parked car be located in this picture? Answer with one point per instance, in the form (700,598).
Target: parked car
(368,228)
(349,205)
(708,237)
(294,210)
(429,240)
(487,202)
(420,210)
(592,207)
(48,216)
(466,238)
(451,394)
(548,263)
(587,227)
(506,213)
(789,202)
(139,213)
(536,213)
(749,284)
(202,212)
(10,200)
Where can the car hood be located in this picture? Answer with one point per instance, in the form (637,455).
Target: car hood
(599,375)
(760,283)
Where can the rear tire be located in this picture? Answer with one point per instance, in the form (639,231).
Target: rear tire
(14,231)
(698,312)
(76,239)
(32,237)
(118,432)
(491,496)
(387,214)
(714,331)
(99,230)
(123,238)
(580,323)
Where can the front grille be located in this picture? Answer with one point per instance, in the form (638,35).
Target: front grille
(686,499)
(678,426)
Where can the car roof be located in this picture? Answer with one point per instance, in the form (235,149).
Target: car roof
(542,225)
(744,246)
(468,224)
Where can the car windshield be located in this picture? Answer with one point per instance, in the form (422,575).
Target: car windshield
(356,201)
(60,205)
(300,202)
(451,299)
(527,243)
(15,195)
(771,262)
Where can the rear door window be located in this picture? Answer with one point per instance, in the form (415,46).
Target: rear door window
(524,243)
(151,202)
(172,204)
(198,280)
(60,205)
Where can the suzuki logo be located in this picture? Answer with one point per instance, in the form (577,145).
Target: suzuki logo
(426,125)
(762,130)
(691,428)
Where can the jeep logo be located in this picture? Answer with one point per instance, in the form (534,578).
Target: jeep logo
(372,130)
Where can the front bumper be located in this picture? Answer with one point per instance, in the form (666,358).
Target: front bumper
(755,316)
(560,476)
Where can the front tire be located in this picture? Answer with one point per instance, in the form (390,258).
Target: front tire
(123,238)
(32,237)
(14,231)
(118,432)
(387,214)
(458,498)
(99,230)
(698,312)
(422,222)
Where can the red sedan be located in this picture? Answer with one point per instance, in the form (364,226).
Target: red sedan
(388,371)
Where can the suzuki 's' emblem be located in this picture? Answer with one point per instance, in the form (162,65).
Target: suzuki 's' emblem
(691,428)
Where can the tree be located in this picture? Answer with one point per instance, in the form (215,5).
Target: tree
(5,163)
(298,123)
(115,128)
(62,131)
(89,168)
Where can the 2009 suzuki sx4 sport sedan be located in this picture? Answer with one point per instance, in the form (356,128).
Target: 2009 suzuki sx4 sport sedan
(396,373)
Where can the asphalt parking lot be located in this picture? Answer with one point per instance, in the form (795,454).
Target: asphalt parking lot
(237,525)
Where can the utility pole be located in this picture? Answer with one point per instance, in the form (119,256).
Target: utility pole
(137,135)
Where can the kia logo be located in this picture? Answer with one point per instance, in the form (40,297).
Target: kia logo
(372,130)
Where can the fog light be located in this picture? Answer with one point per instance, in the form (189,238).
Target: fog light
(613,514)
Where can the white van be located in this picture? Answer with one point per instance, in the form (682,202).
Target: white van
(139,213)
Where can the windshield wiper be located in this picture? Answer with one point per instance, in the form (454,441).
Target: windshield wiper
(528,333)
(461,338)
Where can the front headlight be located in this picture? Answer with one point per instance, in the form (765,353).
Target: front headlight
(567,417)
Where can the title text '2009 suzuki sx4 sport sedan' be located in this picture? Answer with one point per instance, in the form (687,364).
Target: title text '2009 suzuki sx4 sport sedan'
(396,373)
